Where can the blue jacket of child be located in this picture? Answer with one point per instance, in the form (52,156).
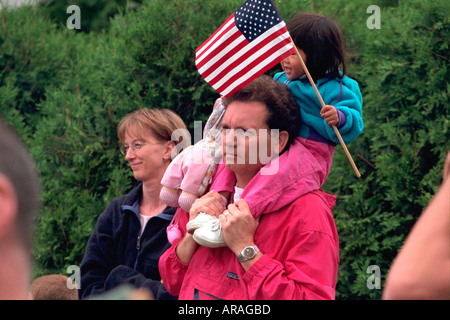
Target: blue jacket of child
(344,94)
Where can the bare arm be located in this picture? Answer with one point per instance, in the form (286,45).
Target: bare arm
(421,270)
(186,248)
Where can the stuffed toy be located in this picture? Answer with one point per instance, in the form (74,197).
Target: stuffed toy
(190,173)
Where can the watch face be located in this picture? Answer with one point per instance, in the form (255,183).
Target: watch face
(249,252)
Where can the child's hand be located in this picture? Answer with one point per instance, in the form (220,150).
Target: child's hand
(330,114)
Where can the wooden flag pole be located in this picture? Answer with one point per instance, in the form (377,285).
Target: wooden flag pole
(323,105)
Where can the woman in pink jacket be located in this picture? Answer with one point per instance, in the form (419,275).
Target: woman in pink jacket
(290,253)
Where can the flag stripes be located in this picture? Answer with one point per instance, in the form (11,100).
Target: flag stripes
(228,60)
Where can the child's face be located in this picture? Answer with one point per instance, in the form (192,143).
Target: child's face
(292,66)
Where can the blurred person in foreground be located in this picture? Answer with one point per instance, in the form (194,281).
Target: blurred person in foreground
(19,202)
(421,270)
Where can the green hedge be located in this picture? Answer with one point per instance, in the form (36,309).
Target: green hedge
(65,91)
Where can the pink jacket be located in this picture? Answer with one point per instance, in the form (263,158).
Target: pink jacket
(300,258)
(301,169)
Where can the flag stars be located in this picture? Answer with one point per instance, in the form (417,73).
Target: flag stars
(255,17)
(253,24)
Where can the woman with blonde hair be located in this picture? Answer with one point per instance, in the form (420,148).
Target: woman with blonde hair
(130,235)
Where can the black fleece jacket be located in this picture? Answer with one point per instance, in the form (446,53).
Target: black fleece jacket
(116,254)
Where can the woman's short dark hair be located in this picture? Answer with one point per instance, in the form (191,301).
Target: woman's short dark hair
(321,40)
(283,110)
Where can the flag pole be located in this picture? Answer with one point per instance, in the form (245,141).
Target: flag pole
(323,105)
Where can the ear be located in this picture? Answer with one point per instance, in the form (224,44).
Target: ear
(283,140)
(8,206)
(168,147)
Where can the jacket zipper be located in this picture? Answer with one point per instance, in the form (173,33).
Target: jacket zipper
(138,244)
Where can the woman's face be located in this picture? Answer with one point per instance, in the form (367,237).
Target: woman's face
(147,157)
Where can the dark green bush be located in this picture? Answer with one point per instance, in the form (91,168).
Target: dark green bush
(403,71)
(96,14)
(65,91)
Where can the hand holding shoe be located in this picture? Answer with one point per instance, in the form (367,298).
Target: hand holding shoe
(204,223)
(211,203)
(238,226)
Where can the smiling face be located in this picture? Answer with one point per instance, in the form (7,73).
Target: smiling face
(152,158)
(292,66)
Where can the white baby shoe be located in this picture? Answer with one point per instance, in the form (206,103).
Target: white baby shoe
(209,234)
(199,221)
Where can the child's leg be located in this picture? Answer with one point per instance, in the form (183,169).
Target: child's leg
(300,170)
(172,178)
(169,196)
(198,170)
(224,181)
(323,152)
(183,177)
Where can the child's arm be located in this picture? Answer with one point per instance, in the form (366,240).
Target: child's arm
(344,95)
(347,108)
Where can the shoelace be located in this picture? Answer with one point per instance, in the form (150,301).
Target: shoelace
(216,225)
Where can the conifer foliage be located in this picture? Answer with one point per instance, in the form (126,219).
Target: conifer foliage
(65,92)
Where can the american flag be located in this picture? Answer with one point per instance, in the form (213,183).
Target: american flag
(250,42)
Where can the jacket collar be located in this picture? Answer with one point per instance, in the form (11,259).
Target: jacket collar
(131,203)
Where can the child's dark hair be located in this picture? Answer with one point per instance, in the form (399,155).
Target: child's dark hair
(321,40)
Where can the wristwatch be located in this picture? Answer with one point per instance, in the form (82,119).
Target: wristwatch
(248,253)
